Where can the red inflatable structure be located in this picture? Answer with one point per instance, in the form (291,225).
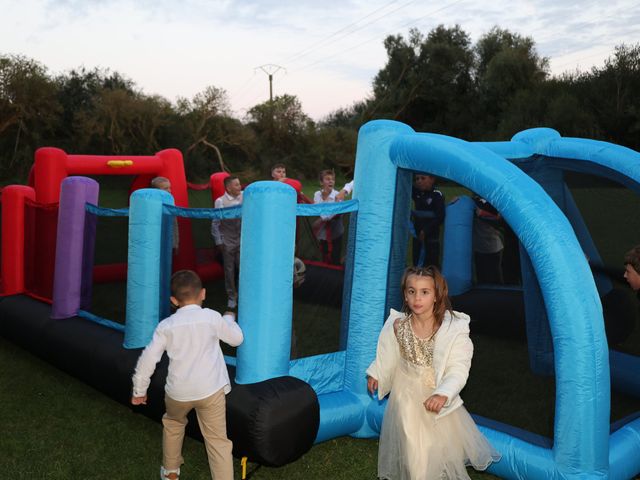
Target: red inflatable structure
(51,167)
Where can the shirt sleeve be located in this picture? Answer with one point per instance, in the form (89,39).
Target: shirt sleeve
(228,330)
(387,355)
(457,367)
(348,187)
(146,365)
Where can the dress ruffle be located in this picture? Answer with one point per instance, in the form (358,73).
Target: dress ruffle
(414,445)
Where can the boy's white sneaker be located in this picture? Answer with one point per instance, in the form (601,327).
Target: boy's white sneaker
(169,474)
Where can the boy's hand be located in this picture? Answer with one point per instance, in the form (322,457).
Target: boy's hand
(139,400)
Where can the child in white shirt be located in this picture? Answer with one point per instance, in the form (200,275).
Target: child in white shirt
(328,228)
(197,376)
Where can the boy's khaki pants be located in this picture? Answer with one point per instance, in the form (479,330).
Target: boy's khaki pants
(211,413)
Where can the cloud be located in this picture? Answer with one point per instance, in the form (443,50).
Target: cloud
(331,50)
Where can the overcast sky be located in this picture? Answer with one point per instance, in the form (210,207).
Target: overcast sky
(325,51)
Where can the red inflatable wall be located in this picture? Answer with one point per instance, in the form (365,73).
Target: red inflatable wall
(14,198)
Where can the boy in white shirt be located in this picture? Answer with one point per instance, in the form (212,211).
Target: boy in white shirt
(328,228)
(163,183)
(226,236)
(197,376)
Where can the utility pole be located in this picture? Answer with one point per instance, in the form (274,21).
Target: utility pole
(270,69)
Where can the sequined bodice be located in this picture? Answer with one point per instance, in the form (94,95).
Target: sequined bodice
(416,350)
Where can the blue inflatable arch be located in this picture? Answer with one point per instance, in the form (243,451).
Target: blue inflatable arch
(604,159)
(581,356)
(544,155)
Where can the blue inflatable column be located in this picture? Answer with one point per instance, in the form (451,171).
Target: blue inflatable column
(267,247)
(457,256)
(145,294)
(375,190)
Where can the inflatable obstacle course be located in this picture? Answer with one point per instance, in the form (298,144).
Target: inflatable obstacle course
(333,385)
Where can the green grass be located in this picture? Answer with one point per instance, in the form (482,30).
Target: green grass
(57,428)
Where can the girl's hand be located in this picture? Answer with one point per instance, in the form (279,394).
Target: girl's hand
(372,385)
(435,403)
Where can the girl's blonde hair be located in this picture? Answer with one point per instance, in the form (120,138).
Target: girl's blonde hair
(442,303)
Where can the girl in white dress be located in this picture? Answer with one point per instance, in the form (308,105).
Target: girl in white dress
(423,359)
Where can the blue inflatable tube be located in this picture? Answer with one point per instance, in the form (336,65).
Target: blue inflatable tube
(341,413)
(624,446)
(146,285)
(457,256)
(267,246)
(376,182)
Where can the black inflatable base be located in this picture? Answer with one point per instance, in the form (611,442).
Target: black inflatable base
(262,416)
(272,422)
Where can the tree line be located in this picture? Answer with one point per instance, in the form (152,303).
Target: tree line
(436,82)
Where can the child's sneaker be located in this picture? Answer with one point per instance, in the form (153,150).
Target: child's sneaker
(169,474)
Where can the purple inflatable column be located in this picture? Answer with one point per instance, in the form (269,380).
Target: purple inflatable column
(70,248)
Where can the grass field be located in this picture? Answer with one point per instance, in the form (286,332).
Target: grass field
(58,428)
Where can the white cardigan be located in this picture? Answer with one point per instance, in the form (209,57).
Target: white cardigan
(451,358)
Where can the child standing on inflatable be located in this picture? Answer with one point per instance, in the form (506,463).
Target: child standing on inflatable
(428,216)
(197,377)
(328,229)
(226,236)
(423,359)
(163,183)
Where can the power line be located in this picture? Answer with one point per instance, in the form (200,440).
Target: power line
(346,34)
(377,37)
(296,55)
(591,20)
(239,92)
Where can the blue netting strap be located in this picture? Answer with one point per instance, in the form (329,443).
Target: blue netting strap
(106,212)
(212,213)
(317,209)
(101,321)
(302,210)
